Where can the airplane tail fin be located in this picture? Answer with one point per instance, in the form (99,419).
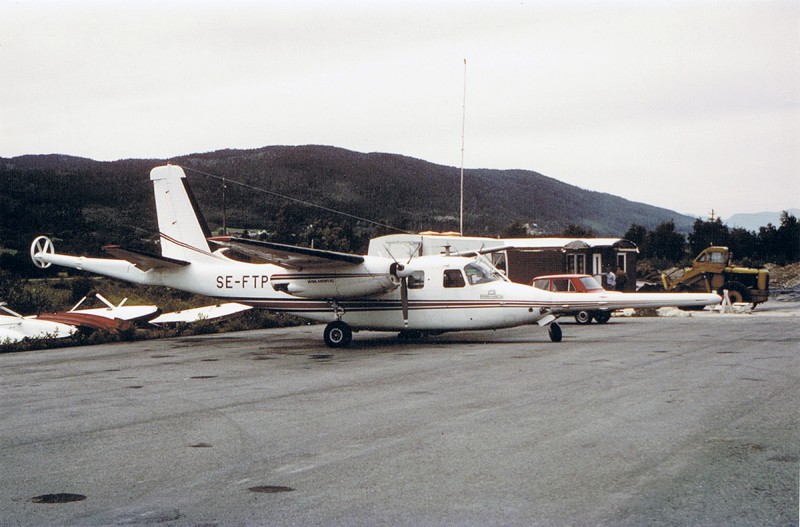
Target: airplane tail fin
(182,229)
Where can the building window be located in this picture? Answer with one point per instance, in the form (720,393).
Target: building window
(622,262)
(576,263)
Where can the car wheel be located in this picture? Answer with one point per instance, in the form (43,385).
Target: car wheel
(583,317)
(602,317)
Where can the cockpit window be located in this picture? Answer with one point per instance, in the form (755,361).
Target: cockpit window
(479,272)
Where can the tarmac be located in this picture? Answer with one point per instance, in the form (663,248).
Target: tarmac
(689,420)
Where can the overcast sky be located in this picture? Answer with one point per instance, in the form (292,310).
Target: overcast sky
(689,105)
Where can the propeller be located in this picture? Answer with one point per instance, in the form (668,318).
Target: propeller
(395,270)
(41,245)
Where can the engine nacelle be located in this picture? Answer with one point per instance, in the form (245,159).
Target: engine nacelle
(401,271)
(343,282)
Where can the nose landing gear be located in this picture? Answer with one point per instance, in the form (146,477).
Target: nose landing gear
(554,330)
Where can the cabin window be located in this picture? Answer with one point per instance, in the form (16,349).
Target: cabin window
(416,280)
(453,278)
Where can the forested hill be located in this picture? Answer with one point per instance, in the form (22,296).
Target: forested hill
(89,203)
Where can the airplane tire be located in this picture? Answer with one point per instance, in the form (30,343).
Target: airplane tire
(583,317)
(554,330)
(338,334)
(410,334)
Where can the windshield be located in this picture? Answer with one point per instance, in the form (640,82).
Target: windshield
(480,272)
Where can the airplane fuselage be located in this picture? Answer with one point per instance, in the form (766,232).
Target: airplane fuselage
(433,304)
(441,298)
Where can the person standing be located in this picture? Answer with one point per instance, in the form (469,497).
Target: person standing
(621,279)
(611,280)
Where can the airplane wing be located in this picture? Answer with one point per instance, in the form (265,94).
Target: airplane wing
(201,313)
(488,250)
(143,260)
(611,300)
(288,256)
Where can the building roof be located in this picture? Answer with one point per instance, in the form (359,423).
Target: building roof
(400,246)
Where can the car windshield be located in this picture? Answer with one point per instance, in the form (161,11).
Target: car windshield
(590,283)
(480,272)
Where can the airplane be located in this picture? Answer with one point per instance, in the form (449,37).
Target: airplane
(418,296)
(15,327)
(110,318)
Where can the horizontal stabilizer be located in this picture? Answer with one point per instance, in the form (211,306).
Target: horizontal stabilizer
(288,256)
(143,260)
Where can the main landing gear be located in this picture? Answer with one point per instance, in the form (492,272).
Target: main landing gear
(338,334)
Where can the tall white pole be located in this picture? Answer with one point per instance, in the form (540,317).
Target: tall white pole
(463,125)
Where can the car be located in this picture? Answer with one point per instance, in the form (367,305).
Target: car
(574,283)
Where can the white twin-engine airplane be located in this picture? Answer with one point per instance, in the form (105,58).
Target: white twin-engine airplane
(421,296)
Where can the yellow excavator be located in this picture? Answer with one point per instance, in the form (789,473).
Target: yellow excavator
(712,272)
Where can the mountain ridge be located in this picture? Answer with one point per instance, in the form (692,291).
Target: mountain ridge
(753,221)
(112,200)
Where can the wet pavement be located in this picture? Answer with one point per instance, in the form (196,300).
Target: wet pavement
(658,421)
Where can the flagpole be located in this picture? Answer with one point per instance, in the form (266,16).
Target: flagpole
(463,126)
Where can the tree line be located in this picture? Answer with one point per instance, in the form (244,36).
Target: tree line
(775,244)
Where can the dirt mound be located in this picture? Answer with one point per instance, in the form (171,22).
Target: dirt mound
(787,276)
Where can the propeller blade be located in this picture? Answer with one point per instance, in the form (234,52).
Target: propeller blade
(404,300)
